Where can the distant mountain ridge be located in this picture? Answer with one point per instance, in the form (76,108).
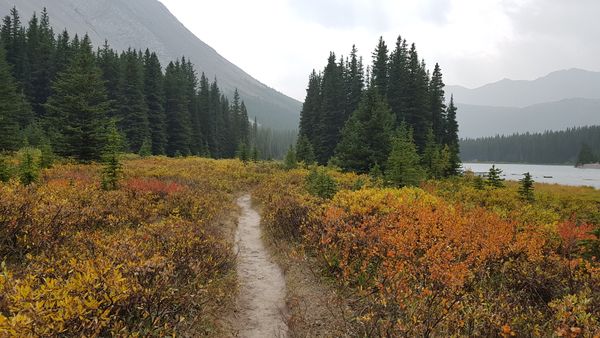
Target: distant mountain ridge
(481,121)
(557,101)
(142,24)
(556,86)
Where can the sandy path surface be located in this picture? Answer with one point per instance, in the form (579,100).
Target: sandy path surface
(262,284)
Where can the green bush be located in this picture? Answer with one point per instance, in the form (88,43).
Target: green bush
(320,183)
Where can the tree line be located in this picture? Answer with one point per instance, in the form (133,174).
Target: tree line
(56,90)
(391,115)
(550,147)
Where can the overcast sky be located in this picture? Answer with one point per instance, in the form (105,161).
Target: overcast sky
(475,41)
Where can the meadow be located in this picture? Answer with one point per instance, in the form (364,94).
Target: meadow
(154,257)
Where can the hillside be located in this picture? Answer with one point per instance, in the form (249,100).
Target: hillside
(556,86)
(480,121)
(148,24)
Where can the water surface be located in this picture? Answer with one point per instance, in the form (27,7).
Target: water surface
(560,174)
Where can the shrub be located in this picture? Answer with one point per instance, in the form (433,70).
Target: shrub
(319,183)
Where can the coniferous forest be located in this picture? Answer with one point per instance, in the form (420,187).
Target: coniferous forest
(395,110)
(551,147)
(58,92)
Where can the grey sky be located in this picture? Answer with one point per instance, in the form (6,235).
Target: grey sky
(475,41)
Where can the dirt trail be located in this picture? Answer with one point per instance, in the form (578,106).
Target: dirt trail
(262,284)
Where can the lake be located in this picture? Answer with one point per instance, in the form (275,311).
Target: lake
(560,174)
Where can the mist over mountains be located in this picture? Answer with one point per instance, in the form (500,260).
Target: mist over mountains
(560,100)
(142,24)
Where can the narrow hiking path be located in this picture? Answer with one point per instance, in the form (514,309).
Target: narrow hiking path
(262,293)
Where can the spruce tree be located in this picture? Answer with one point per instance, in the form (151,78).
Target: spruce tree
(40,50)
(112,171)
(494,177)
(11,105)
(155,98)
(438,104)
(354,82)
(418,115)
(5,170)
(78,107)
(304,151)
(332,117)
(178,117)
(29,170)
(451,139)
(311,109)
(380,71)
(290,161)
(365,139)
(133,111)
(586,155)
(398,80)
(403,165)
(526,188)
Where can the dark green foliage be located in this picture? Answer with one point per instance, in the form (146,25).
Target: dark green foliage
(494,178)
(29,170)
(73,92)
(154,92)
(79,106)
(5,170)
(550,147)
(380,67)
(146,148)
(133,111)
(332,114)
(112,171)
(438,105)
(451,139)
(526,188)
(304,151)
(47,156)
(436,158)
(365,139)
(403,165)
(11,107)
(399,90)
(243,152)
(479,183)
(586,155)
(290,161)
(254,155)
(319,183)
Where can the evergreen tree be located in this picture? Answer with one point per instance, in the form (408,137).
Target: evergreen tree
(494,178)
(403,165)
(40,49)
(319,183)
(398,80)
(29,170)
(304,151)
(11,105)
(354,82)
(586,155)
(254,155)
(438,105)
(79,106)
(365,139)
(311,109)
(5,170)
(155,97)
(381,67)
(112,170)
(435,159)
(451,139)
(133,111)
(290,159)
(526,188)
(418,114)
(146,148)
(332,115)
(178,117)
(108,61)
(243,153)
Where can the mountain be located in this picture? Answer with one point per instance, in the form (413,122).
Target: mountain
(480,121)
(556,86)
(142,24)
